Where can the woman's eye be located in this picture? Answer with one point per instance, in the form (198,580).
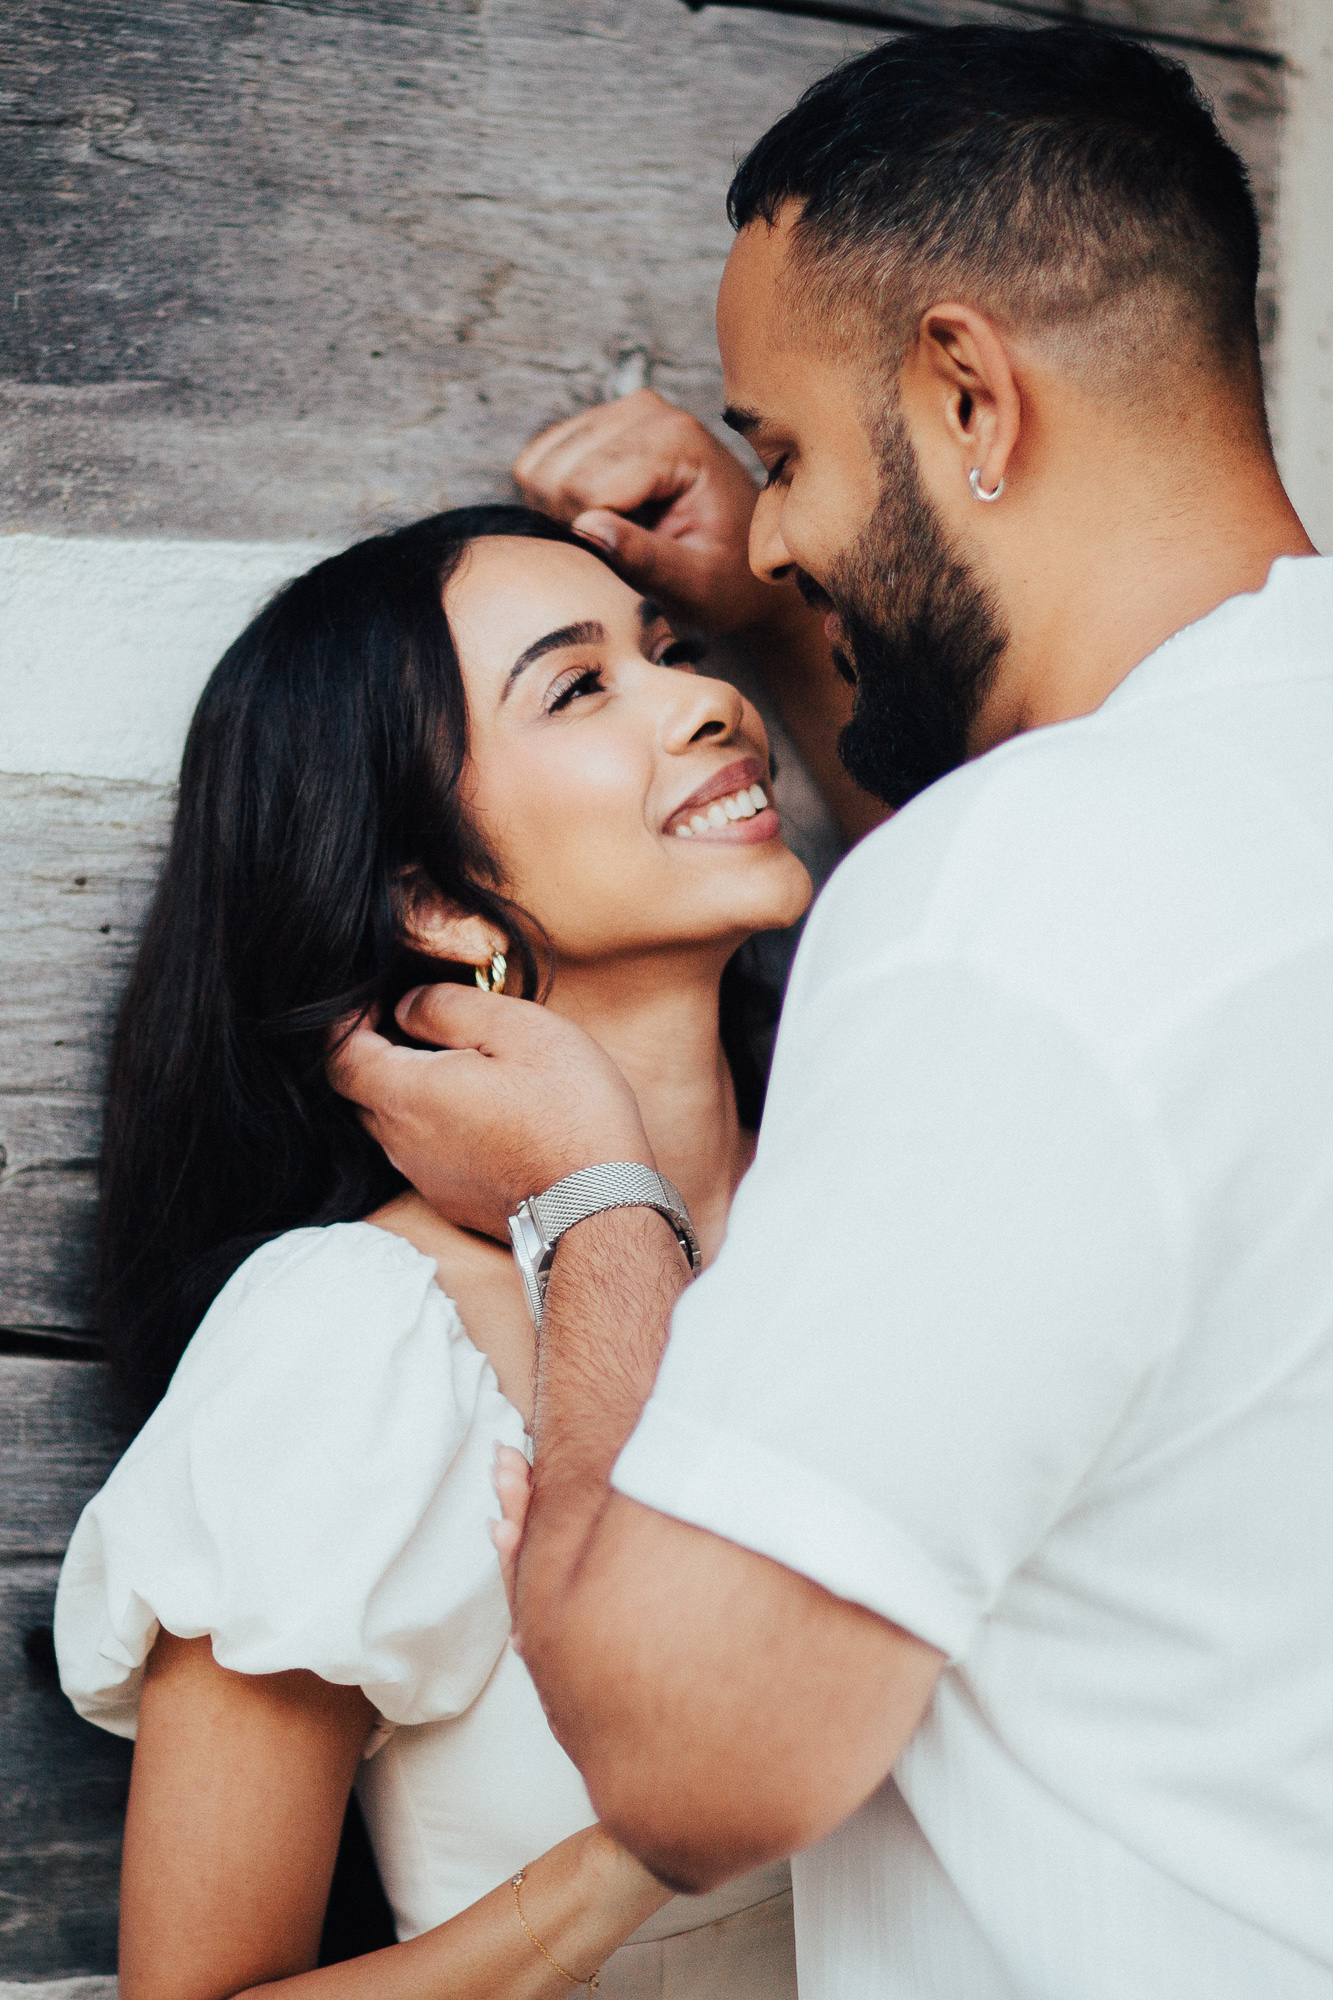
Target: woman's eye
(683,653)
(775,472)
(586,680)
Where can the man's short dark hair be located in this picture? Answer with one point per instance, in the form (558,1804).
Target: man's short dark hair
(1060,178)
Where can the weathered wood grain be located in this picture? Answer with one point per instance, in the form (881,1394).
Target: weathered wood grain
(1233,25)
(61,1431)
(62,1782)
(293,269)
(77,861)
(62,1800)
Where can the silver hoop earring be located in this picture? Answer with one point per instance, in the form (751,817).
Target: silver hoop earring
(978,490)
(491,978)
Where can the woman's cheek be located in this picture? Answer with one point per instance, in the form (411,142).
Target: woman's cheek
(568,828)
(594,886)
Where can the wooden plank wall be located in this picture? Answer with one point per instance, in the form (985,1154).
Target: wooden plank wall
(294,268)
(78,861)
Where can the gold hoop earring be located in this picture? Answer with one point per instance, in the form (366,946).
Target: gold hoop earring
(491,979)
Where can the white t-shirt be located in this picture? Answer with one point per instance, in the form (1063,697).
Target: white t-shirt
(1022,1336)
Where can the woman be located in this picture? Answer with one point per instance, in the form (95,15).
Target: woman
(465,746)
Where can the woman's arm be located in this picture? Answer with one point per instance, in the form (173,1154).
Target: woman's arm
(237,1798)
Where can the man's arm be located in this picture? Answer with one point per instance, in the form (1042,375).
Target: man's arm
(722,1709)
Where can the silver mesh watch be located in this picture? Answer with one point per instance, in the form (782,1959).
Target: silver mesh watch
(543,1218)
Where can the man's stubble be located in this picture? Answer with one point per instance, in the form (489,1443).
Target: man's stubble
(923,640)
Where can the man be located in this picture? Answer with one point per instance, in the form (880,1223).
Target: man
(993,1450)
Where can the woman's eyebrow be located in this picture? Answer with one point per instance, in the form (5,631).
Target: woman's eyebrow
(588,632)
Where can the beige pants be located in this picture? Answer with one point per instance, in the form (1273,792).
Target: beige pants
(751,1956)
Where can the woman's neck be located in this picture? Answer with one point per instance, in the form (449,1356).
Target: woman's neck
(658,1019)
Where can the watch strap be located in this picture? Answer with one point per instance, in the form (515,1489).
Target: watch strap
(543,1218)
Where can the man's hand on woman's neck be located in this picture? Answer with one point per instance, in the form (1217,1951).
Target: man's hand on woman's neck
(659,1023)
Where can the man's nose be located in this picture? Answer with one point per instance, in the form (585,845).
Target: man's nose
(770,558)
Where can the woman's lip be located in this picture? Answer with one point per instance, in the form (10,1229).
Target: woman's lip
(830,626)
(738,832)
(737,776)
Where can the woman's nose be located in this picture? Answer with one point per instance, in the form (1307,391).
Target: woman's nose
(699,710)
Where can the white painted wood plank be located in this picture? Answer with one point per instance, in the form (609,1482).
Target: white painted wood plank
(60,1989)
(104,645)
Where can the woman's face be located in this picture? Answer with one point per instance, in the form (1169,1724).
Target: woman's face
(618,786)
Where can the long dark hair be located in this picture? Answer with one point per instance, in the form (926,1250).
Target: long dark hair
(319,786)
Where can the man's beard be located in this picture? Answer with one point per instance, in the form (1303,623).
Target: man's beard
(923,638)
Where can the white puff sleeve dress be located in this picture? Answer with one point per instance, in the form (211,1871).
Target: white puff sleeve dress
(313,1492)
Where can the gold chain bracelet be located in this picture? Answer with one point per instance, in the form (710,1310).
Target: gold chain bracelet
(592,1982)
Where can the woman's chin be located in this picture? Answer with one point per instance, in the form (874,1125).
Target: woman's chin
(699,904)
(781,898)
(773,878)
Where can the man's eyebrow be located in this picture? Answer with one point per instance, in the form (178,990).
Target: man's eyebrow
(743,421)
(588,632)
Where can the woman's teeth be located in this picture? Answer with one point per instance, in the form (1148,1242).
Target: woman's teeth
(741,805)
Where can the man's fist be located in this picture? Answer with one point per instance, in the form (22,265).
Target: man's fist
(690,500)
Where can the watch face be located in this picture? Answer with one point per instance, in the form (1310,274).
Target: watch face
(529,1243)
(532,1253)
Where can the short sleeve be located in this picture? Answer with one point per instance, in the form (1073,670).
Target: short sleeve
(312,1492)
(947,1276)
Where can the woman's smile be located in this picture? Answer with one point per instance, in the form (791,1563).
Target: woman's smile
(733,805)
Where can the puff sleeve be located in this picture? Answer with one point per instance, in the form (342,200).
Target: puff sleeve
(312,1492)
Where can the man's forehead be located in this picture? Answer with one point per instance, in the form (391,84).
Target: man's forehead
(758,259)
(754,327)
(775,351)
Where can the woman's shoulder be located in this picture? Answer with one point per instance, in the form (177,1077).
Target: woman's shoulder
(347,1298)
(332,1343)
(315,1269)
(312,1491)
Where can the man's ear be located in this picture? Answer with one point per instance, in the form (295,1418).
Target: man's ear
(439,928)
(961,378)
